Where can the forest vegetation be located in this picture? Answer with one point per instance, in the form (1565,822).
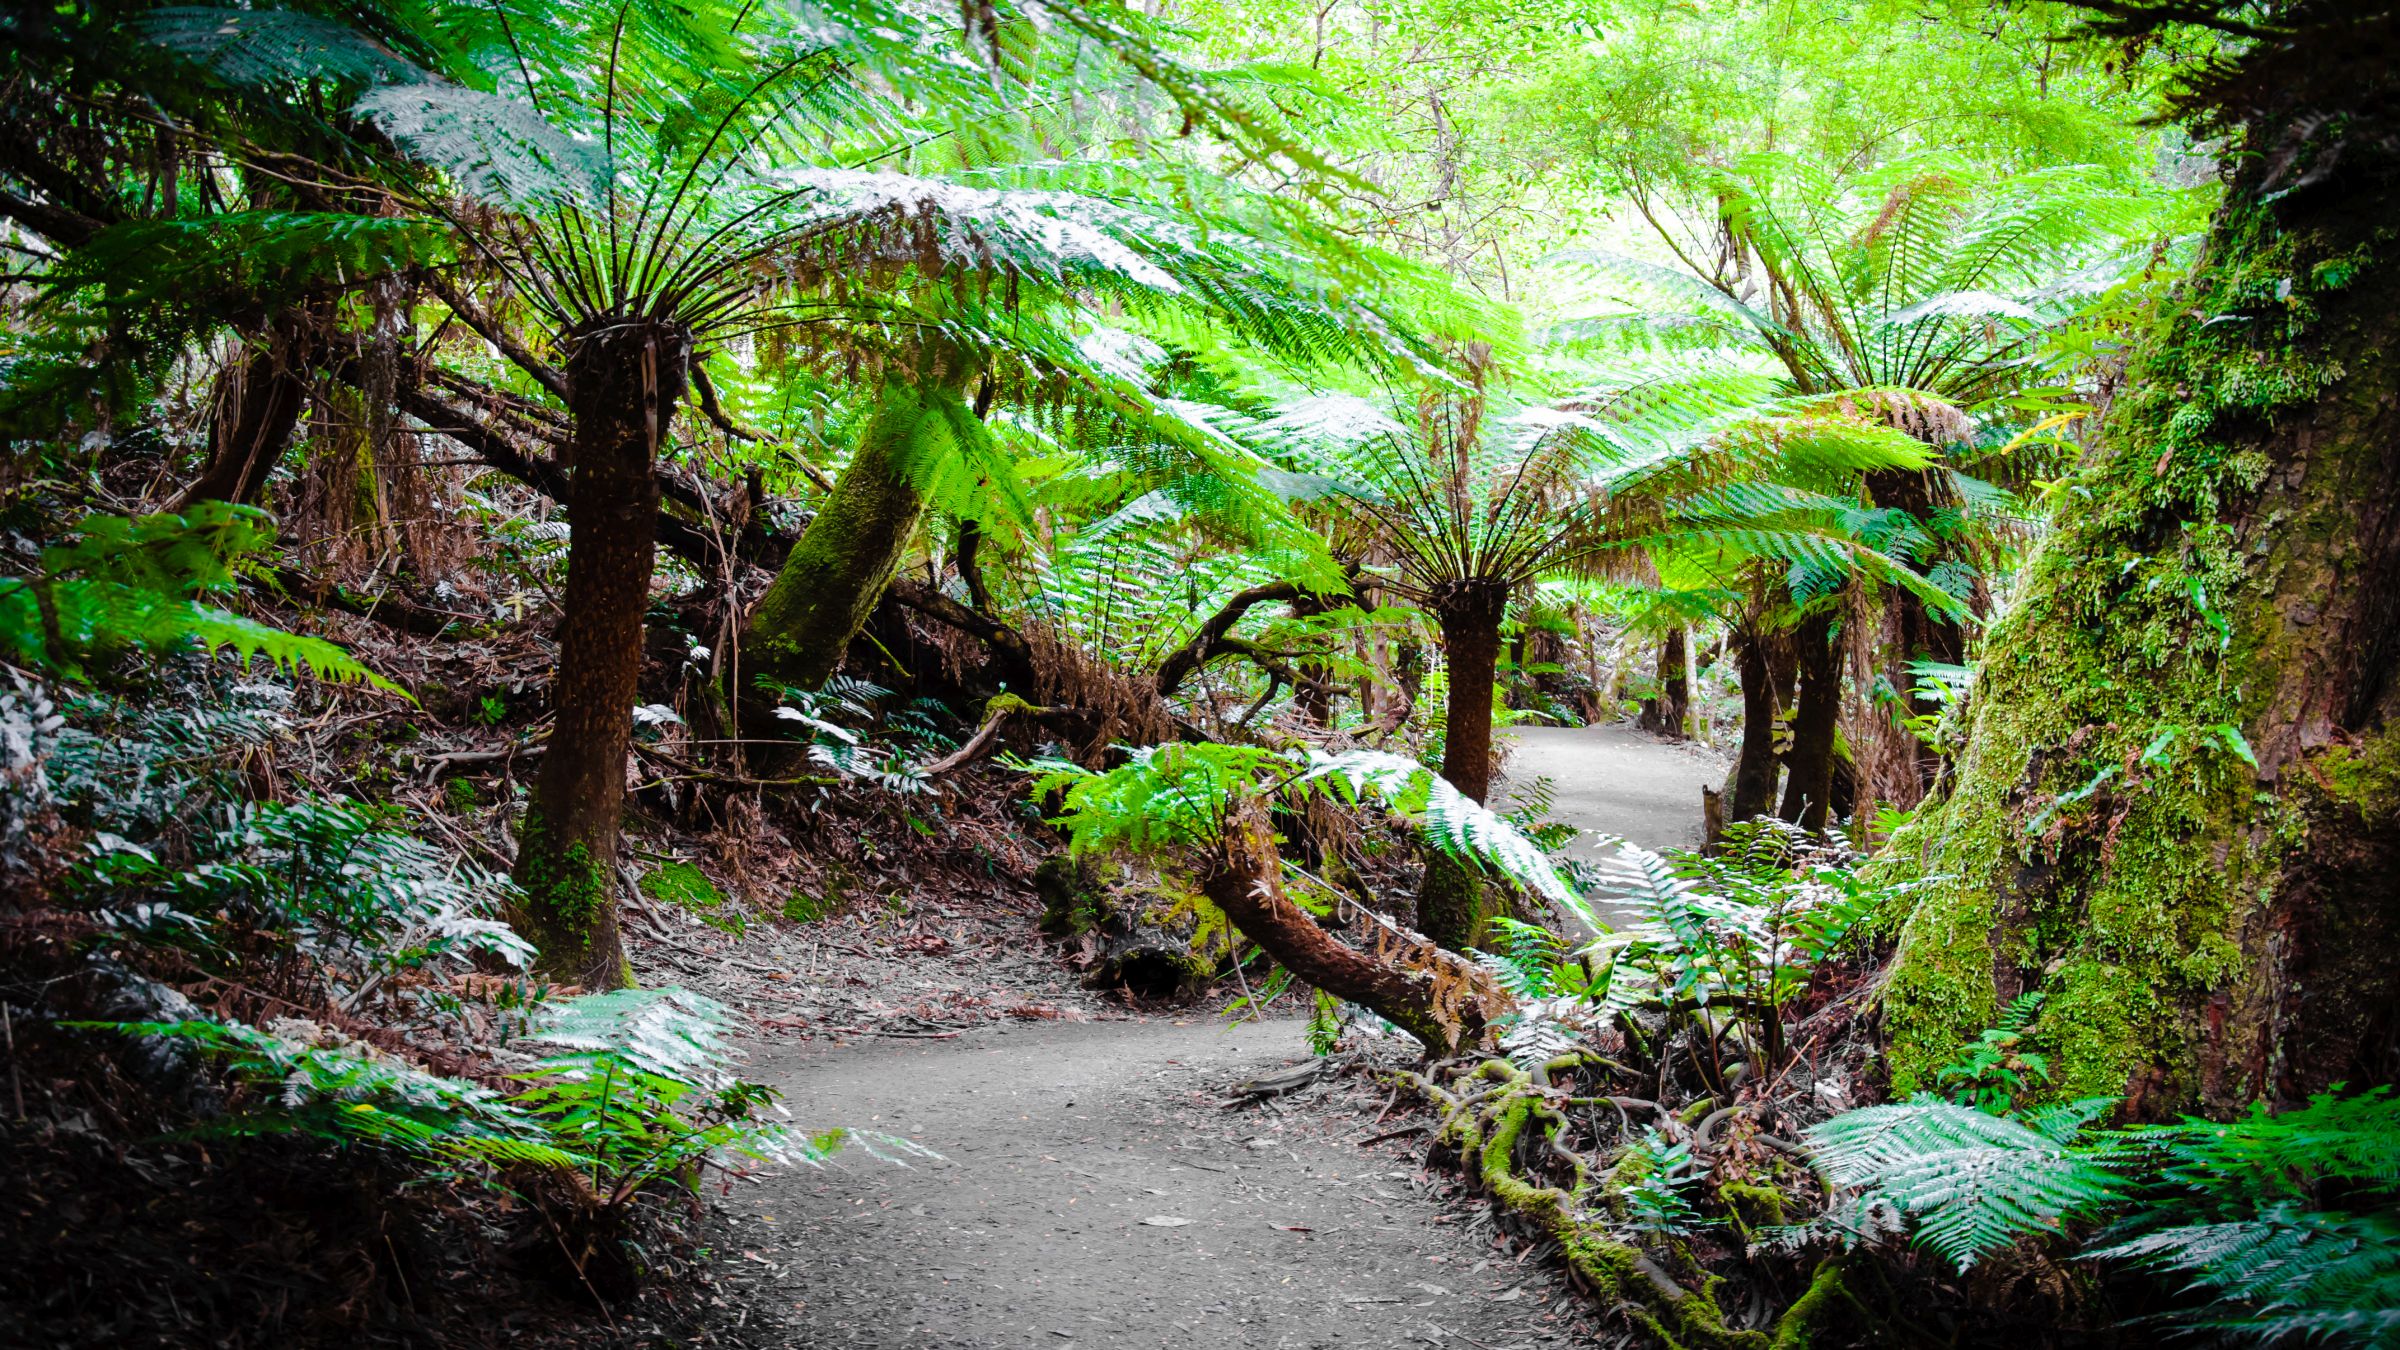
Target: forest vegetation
(491,484)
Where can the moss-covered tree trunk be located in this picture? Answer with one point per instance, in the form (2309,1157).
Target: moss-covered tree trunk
(1808,793)
(2178,810)
(1451,906)
(624,378)
(830,583)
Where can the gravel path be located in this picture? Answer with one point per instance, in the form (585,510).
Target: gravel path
(1615,779)
(1092,1190)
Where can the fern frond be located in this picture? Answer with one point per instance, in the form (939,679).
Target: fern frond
(1972,1182)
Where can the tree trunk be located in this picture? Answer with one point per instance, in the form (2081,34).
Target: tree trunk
(830,583)
(1755,767)
(1470,621)
(2178,809)
(1451,907)
(1918,633)
(1314,694)
(1666,713)
(1447,1004)
(1808,795)
(254,418)
(624,378)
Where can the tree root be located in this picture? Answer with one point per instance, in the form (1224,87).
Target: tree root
(1485,1115)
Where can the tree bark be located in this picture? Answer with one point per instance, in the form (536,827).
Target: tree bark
(1666,713)
(828,587)
(1808,793)
(1914,632)
(1452,905)
(254,419)
(624,377)
(1755,767)
(1446,1008)
(2178,809)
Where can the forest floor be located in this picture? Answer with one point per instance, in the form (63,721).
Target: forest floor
(1093,1186)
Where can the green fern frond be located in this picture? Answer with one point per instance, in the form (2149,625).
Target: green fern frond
(1973,1183)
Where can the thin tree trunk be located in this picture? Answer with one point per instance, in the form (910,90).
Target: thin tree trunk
(1451,908)
(1243,876)
(2177,813)
(1755,767)
(1314,694)
(625,378)
(829,585)
(253,422)
(1808,795)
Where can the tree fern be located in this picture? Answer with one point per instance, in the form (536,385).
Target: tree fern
(1972,1183)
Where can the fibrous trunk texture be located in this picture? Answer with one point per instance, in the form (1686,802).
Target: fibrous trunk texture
(1451,907)
(1808,793)
(1755,767)
(1907,767)
(258,404)
(625,377)
(1665,713)
(2178,809)
(829,585)
(1243,876)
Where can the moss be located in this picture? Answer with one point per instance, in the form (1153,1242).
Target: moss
(1764,1204)
(459,796)
(566,898)
(1073,900)
(566,888)
(2364,777)
(682,885)
(1453,904)
(826,589)
(2105,839)
(801,907)
(1793,1329)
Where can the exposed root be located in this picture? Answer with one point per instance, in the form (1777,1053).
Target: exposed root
(1505,1124)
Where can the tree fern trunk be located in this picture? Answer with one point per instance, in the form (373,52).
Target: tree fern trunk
(1451,907)
(255,415)
(1755,767)
(625,378)
(831,581)
(1665,714)
(2223,586)
(1808,794)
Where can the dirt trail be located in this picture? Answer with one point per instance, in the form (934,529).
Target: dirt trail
(1614,779)
(1092,1191)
